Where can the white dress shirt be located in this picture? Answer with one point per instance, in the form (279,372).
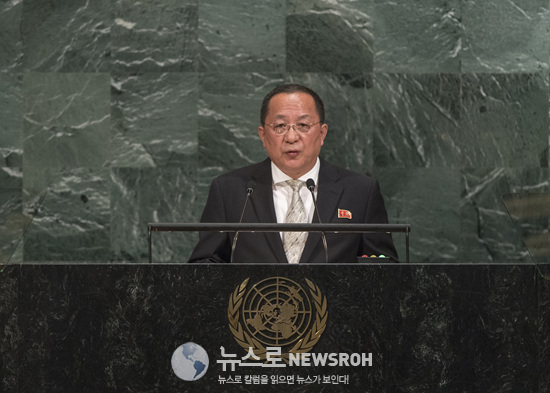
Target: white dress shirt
(282,192)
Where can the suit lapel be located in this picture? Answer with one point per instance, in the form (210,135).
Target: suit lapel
(262,201)
(328,195)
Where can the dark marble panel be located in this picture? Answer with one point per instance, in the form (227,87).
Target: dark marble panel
(242,36)
(229,116)
(72,217)
(67,124)
(143,195)
(543,340)
(505,37)
(488,233)
(66,35)
(12,335)
(418,37)
(11,47)
(469,329)
(155,36)
(11,125)
(416,120)
(59,308)
(505,120)
(114,328)
(427,199)
(348,115)
(154,117)
(328,36)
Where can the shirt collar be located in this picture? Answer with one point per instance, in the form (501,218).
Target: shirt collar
(279,176)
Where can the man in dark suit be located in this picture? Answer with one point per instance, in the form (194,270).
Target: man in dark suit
(292,131)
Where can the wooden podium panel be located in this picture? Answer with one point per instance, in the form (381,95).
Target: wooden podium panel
(114,328)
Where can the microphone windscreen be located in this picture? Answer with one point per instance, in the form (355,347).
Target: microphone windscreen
(310,184)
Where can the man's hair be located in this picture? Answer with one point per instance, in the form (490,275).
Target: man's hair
(288,89)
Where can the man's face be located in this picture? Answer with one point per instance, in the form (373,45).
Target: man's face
(293,152)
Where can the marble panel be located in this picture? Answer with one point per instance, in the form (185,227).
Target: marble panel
(66,123)
(229,116)
(427,199)
(154,117)
(72,217)
(17,252)
(507,36)
(205,177)
(329,36)
(155,36)
(456,86)
(505,120)
(12,220)
(348,115)
(488,234)
(11,47)
(418,37)
(11,125)
(242,36)
(143,195)
(11,178)
(416,120)
(66,35)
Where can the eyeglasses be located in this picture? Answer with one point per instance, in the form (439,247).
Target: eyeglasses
(282,128)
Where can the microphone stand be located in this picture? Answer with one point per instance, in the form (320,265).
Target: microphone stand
(310,184)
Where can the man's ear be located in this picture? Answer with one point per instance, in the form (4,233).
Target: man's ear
(261,132)
(324,130)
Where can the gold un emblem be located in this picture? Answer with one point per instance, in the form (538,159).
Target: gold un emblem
(277,312)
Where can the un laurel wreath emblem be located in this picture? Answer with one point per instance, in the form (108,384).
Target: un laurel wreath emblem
(277,312)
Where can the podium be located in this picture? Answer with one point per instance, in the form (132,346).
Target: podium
(114,328)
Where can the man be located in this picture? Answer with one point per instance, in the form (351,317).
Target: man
(292,131)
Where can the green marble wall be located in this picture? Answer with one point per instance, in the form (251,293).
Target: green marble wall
(115,114)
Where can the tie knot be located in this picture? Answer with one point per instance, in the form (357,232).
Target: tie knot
(295,184)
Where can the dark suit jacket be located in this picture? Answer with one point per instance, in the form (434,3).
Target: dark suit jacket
(338,188)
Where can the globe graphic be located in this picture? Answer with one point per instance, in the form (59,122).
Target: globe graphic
(190,361)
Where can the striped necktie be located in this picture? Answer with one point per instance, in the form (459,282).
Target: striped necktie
(294,242)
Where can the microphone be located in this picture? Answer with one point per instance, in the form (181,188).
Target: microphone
(310,184)
(249,190)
